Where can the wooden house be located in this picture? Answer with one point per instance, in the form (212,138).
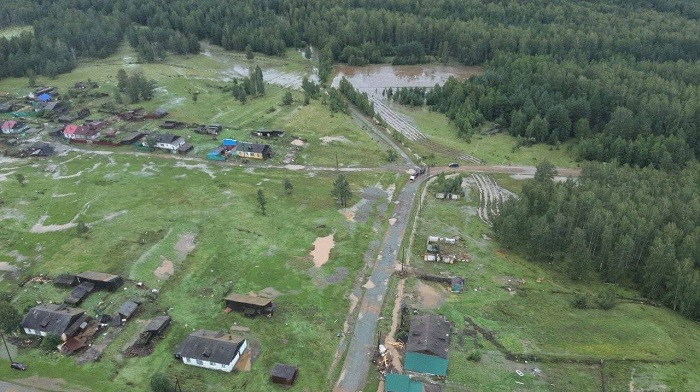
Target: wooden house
(250,306)
(54,319)
(211,350)
(101,280)
(167,142)
(12,127)
(283,374)
(427,345)
(253,150)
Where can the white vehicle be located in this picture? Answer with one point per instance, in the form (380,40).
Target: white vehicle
(412,178)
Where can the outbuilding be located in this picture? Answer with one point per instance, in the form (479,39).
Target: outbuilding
(249,305)
(101,280)
(283,374)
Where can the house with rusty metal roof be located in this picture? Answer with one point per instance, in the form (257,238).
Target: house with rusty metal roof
(427,345)
(211,350)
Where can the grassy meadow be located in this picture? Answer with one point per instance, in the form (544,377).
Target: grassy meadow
(496,149)
(633,346)
(138,209)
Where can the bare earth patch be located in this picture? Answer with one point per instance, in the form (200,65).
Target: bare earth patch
(322,250)
(297,142)
(185,244)
(329,139)
(165,270)
(428,297)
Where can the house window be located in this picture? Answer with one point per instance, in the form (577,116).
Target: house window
(200,362)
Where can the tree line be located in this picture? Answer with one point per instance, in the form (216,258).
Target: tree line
(644,114)
(636,227)
(406,31)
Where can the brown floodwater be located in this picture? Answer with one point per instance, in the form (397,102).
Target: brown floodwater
(385,76)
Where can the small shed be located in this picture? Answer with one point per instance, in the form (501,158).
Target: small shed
(127,309)
(283,374)
(185,148)
(229,143)
(101,280)
(80,293)
(217,154)
(66,280)
(158,325)
(249,305)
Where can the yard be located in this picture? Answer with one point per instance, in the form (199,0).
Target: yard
(514,308)
(149,217)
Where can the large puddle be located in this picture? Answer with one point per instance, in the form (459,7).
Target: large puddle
(322,250)
(385,76)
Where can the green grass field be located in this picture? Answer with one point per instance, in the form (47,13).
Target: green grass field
(654,347)
(495,149)
(154,202)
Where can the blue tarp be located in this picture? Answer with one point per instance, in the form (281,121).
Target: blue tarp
(229,142)
(44,98)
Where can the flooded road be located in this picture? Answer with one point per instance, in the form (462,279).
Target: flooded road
(374,79)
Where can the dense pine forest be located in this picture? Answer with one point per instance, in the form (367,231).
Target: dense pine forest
(635,227)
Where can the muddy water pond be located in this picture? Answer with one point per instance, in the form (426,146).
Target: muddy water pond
(385,76)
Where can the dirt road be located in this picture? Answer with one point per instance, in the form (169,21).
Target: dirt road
(354,373)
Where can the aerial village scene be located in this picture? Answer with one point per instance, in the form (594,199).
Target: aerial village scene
(340,196)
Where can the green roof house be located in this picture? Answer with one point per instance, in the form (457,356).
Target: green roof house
(427,346)
(394,382)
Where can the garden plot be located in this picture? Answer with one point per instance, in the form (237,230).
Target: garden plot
(491,195)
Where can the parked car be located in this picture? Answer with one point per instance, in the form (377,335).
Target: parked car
(453,164)
(18,366)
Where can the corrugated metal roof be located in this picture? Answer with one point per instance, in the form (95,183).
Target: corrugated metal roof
(428,364)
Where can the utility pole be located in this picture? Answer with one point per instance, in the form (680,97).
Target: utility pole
(6,348)
(336,161)
(177,384)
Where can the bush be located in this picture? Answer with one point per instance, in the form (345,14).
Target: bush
(474,356)
(160,383)
(51,342)
(580,301)
(606,299)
